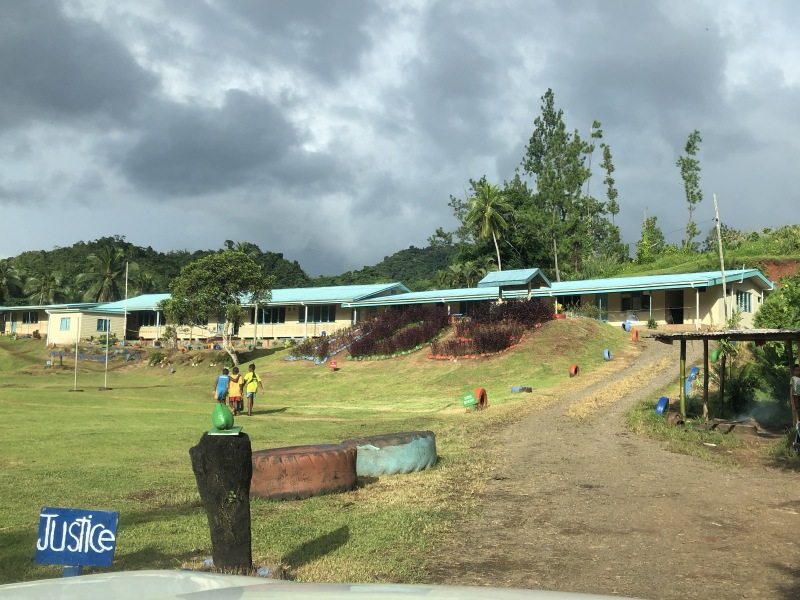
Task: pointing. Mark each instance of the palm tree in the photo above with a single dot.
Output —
(144, 283)
(104, 281)
(10, 283)
(46, 287)
(486, 213)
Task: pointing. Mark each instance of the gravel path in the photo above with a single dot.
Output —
(585, 505)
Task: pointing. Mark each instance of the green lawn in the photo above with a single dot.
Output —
(126, 450)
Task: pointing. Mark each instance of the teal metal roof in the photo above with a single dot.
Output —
(652, 282)
(512, 277)
(336, 294)
(48, 306)
(315, 295)
(143, 302)
(463, 294)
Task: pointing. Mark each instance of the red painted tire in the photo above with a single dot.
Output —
(300, 472)
(483, 399)
(573, 370)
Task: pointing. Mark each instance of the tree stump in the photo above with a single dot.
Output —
(223, 467)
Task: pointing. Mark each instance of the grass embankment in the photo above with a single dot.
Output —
(126, 449)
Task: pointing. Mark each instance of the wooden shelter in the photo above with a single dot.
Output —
(791, 337)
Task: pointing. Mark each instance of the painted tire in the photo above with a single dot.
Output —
(573, 370)
(626, 326)
(714, 354)
(483, 399)
(607, 354)
(393, 453)
(298, 472)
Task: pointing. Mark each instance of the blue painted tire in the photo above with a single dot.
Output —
(393, 453)
(607, 354)
(626, 326)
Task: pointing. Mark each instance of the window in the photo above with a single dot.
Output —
(103, 324)
(744, 302)
(149, 319)
(65, 323)
(30, 317)
(272, 314)
(323, 313)
(634, 301)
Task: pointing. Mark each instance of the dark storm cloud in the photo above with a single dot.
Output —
(454, 85)
(197, 150)
(636, 66)
(326, 39)
(55, 69)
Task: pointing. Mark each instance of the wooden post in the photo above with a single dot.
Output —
(705, 379)
(722, 361)
(223, 467)
(683, 378)
(790, 353)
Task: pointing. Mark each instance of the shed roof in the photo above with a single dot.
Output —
(513, 277)
(740, 335)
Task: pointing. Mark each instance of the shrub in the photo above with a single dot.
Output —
(399, 330)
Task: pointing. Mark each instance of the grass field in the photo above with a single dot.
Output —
(126, 449)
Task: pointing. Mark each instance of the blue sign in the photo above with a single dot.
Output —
(71, 536)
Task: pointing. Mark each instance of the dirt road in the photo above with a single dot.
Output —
(584, 505)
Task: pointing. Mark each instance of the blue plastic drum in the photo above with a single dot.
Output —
(661, 405)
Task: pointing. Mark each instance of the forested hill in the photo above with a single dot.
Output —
(416, 268)
(67, 274)
(71, 274)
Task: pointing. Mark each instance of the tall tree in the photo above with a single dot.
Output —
(611, 192)
(487, 214)
(104, 281)
(690, 174)
(218, 285)
(555, 158)
(651, 243)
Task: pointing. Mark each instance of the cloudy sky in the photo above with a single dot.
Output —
(335, 131)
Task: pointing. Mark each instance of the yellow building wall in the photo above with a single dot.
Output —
(25, 329)
(87, 324)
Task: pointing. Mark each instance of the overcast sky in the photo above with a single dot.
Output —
(335, 132)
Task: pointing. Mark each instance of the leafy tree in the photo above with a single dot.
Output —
(651, 243)
(219, 284)
(690, 174)
(440, 237)
(104, 281)
(781, 308)
(487, 214)
(555, 158)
